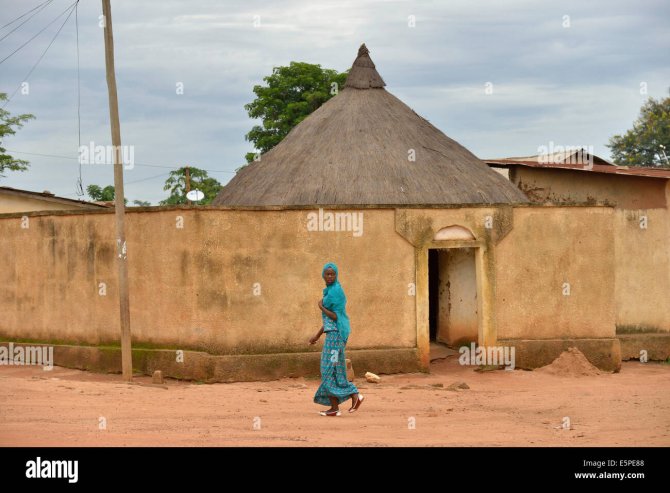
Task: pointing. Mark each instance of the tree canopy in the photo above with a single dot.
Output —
(8, 126)
(100, 194)
(289, 95)
(648, 142)
(176, 184)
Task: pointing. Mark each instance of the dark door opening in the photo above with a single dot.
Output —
(433, 292)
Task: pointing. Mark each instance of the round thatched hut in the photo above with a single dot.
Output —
(365, 146)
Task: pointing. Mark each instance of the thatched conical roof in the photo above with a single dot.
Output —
(363, 73)
(365, 146)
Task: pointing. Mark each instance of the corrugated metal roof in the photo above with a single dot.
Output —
(599, 165)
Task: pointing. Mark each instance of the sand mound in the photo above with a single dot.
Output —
(571, 363)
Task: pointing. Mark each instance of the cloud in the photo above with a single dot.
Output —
(574, 85)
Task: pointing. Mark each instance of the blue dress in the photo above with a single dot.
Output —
(334, 381)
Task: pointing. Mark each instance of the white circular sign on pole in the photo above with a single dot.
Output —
(195, 195)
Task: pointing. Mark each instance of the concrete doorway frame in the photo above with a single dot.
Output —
(486, 333)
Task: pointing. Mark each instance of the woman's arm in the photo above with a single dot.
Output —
(313, 340)
(329, 314)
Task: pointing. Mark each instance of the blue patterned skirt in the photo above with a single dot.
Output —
(334, 371)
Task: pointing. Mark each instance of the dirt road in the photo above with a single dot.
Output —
(66, 407)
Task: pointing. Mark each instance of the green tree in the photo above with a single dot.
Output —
(107, 194)
(8, 126)
(648, 142)
(141, 203)
(288, 97)
(176, 184)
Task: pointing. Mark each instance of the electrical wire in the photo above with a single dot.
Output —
(25, 79)
(80, 186)
(13, 30)
(129, 182)
(145, 179)
(135, 164)
(70, 8)
(23, 15)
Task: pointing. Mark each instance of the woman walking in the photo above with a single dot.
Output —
(334, 388)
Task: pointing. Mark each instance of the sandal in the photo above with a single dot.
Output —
(330, 413)
(359, 401)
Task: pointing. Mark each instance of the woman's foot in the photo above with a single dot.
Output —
(331, 412)
(356, 403)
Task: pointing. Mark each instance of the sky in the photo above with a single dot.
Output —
(501, 78)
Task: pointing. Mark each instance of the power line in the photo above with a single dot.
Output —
(23, 15)
(42, 30)
(146, 179)
(25, 79)
(135, 164)
(127, 183)
(40, 10)
(80, 186)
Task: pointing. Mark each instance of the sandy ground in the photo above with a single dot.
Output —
(517, 408)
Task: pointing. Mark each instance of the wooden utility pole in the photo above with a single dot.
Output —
(188, 184)
(119, 205)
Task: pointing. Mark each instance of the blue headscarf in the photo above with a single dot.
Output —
(335, 301)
